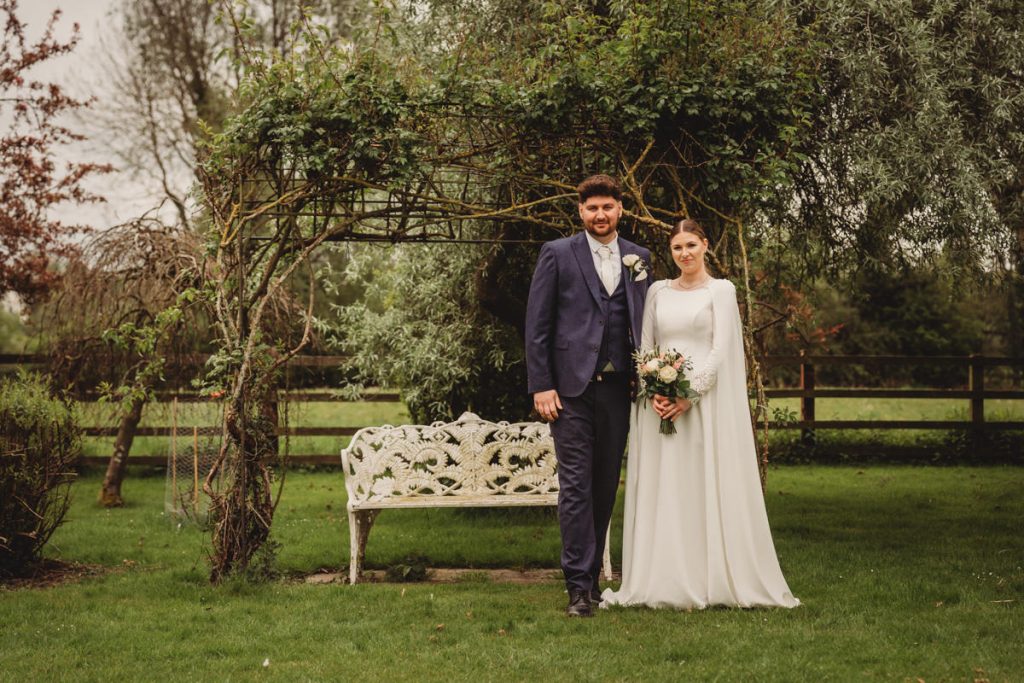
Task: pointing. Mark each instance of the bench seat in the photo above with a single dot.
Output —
(472, 501)
(469, 463)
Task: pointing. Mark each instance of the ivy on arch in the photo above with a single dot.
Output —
(701, 108)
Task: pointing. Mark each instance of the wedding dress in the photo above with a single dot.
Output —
(695, 531)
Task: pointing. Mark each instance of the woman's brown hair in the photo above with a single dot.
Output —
(687, 225)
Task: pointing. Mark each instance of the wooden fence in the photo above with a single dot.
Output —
(807, 391)
(975, 366)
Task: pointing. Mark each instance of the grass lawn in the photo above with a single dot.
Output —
(905, 573)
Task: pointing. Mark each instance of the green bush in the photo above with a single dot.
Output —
(40, 439)
(420, 327)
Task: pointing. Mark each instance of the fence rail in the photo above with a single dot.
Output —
(807, 391)
(975, 392)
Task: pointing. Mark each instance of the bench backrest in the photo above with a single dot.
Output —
(468, 457)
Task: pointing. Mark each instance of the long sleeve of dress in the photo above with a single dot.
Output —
(648, 332)
(723, 328)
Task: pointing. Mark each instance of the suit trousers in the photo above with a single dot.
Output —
(590, 438)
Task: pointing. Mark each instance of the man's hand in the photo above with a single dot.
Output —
(547, 404)
(670, 408)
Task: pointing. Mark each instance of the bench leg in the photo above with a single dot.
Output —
(359, 524)
(608, 555)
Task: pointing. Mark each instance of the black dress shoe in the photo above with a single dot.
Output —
(579, 604)
(595, 596)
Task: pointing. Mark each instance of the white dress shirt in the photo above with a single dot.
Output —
(616, 257)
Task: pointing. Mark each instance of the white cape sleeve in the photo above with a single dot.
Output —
(726, 330)
(729, 439)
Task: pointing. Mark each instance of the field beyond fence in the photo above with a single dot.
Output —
(317, 422)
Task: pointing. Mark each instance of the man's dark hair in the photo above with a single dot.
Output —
(599, 186)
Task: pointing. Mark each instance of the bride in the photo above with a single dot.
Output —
(696, 532)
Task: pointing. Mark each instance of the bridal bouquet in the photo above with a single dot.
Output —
(664, 373)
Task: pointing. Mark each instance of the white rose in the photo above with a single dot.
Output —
(652, 365)
(667, 374)
(629, 260)
(642, 275)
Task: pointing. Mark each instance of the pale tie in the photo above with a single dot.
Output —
(607, 271)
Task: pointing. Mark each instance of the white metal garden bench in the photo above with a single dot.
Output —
(466, 463)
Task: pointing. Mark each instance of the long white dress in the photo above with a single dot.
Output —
(696, 531)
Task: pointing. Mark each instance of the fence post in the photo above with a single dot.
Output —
(275, 418)
(806, 402)
(976, 384)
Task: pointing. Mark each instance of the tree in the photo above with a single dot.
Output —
(121, 318)
(31, 240)
(918, 144)
(174, 76)
(262, 234)
(916, 159)
(167, 78)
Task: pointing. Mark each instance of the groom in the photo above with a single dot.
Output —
(583, 323)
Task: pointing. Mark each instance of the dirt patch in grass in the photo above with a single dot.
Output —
(50, 573)
(449, 575)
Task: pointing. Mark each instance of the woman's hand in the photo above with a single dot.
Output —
(670, 408)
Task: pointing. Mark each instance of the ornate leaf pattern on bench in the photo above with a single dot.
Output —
(468, 457)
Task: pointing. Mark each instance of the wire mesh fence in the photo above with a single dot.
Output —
(191, 453)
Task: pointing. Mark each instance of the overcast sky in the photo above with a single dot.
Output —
(81, 73)
(90, 15)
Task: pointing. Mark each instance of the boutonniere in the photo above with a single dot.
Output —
(636, 267)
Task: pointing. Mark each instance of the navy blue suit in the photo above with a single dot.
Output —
(573, 329)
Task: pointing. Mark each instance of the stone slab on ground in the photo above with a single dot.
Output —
(450, 575)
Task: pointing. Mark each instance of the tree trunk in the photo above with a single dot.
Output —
(1008, 200)
(242, 514)
(1015, 302)
(110, 493)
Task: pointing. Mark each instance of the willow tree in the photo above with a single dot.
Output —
(121, 319)
(917, 157)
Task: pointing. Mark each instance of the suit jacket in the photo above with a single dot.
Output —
(565, 314)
